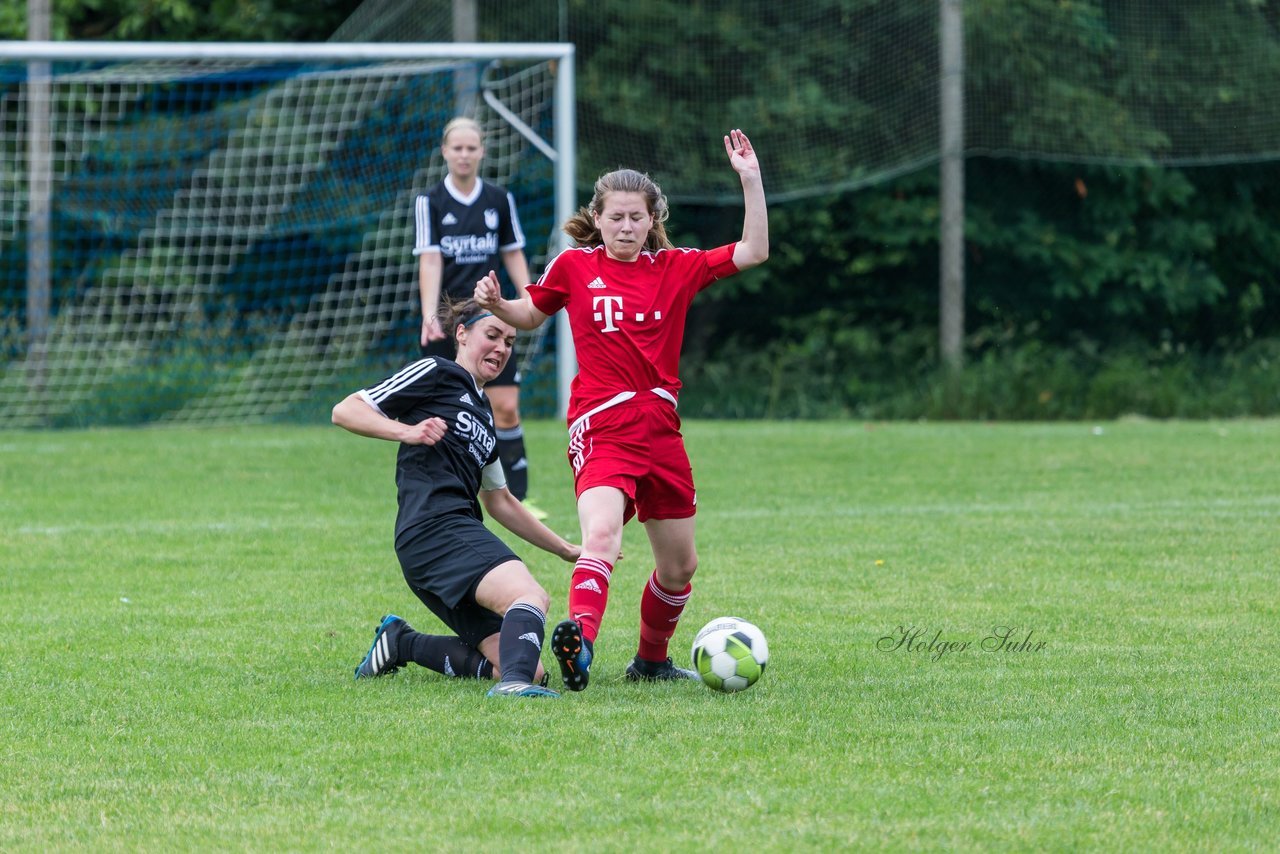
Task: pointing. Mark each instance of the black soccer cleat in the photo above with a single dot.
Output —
(383, 657)
(640, 670)
(573, 653)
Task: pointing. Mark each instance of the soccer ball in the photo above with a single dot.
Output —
(729, 654)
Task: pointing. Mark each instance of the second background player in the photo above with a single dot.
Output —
(463, 225)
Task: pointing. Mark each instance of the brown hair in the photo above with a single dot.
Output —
(460, 313)
(581, 227)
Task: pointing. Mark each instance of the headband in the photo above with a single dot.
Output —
(466, 324)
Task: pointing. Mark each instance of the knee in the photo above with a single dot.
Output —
(602, 537)
(533, 595)
(677, 574)
(509, 585)
(676, 564)
(505, 413)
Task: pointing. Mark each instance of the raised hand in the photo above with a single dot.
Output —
(488, 292)
(742, 157)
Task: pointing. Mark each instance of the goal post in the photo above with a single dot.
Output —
(230, 225)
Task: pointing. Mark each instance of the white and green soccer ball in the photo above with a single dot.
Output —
(729, 654)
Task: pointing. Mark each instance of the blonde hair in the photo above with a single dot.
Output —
(581, 227)
(462, 123)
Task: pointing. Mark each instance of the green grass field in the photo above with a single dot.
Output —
(181, 611)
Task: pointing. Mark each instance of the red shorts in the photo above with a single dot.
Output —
(635, 447)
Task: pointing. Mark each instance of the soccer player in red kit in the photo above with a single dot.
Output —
(627, 292)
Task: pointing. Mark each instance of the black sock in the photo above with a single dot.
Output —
(520, 643)
(445, 654)
(514, 462)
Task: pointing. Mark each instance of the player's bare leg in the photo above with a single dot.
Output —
(600, 512)
(664, 599)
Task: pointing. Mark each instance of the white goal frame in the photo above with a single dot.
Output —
(561, 150)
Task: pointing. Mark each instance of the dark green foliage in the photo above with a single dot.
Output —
(1128, 281)
(1103, 286)
(868, 373)
(645, 97)
(185, 20)
(1103, 290)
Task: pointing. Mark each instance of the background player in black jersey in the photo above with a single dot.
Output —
(446, 468)
(462, 226)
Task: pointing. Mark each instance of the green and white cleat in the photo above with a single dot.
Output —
(520, 689)
(383, 657)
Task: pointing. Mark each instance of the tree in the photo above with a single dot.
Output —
(185, 20)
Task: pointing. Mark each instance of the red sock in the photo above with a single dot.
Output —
(660, 610)
(589, 594)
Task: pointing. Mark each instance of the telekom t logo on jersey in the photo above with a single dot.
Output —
(608, 310)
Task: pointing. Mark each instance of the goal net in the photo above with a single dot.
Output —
(224, 233)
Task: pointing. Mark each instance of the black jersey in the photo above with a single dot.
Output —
(470, 232)
(446, 477)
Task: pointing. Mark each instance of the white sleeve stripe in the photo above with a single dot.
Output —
(547, 269)
(422, 225)
(397, 381)
(515, 224)
(367, 398)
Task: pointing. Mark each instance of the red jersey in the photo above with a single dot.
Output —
(627, 317)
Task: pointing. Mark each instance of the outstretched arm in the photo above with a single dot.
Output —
(518, 269)
(520, 313)
(753, 249)
(516, 518)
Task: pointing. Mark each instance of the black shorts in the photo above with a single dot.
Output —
(445, 347)
(443, 562)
